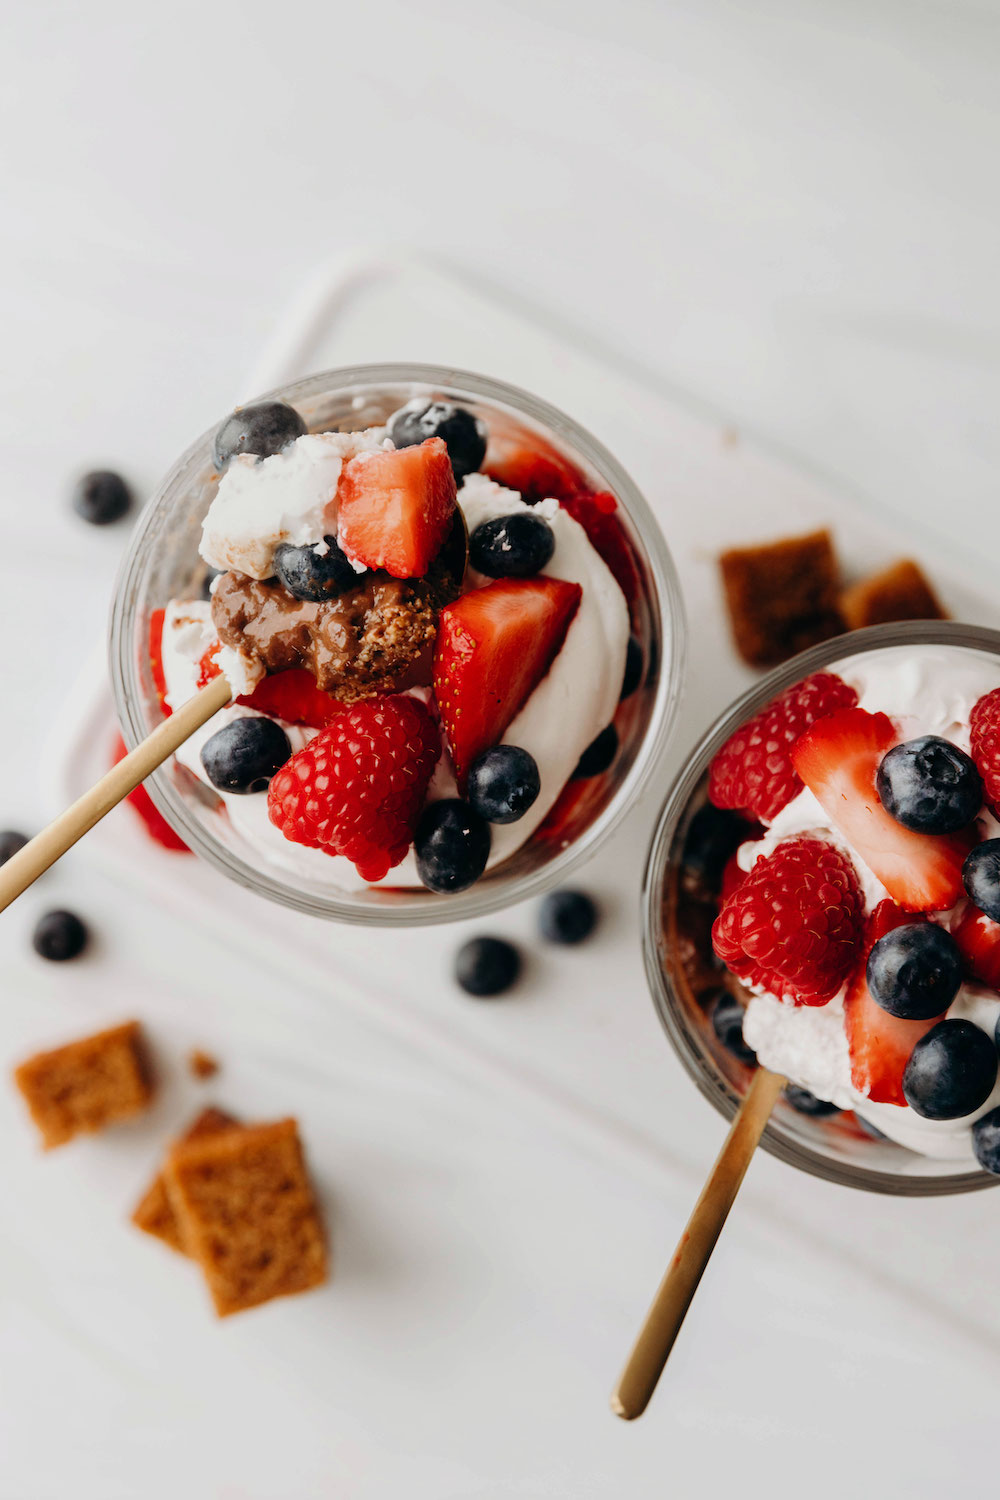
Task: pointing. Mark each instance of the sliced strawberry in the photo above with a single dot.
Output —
(156, 620)
(396, 508)
(879, 1044)
(156, 824)
(537, 473)
(596, 514)
(978, 937)
(208, 666)
(494, 647)
(294, 697)
(838, 758)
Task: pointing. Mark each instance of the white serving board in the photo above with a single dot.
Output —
(508, 1177)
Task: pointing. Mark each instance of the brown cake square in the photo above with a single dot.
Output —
(153, 1213)
(247, 1213)
(86, 1085)
(782, 597)
(900, 592)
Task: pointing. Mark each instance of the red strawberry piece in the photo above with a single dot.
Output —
(208, 666)
(156, 620)
(984, 724)
(978, 938)
(294, 697)
(794, 924)
(396, 508)
(753, 770)
(156, 824)
(357, 789)
(838, 759)
(596, 514)
(538, 473)
(494, 646)
(879, 1044)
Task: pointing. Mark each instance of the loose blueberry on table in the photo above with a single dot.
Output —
(567, 917)
(59, 936)
(487, 966)
(102, 497)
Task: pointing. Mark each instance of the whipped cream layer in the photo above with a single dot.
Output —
(924, 690)
(570, 706)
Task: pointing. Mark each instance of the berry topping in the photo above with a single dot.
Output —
(929, 785)
(494, 646)
(597, 515)
(727, 1023)
(915, 971)
(754, 770)
(262, 429)
(156, 824)
(503, 783)
(396, 509)
(978, 939)
(313, 574)
(807, 1104)
(516, 546)
(452, 844)
(59, 935)
(794, 924)
(952, 1071)
(713, 837)
(879, 1044)
(156, 620)
(598, 755)
(294, 697)
(101, 497)
(486, 966)
(358, 787)
(462, 433)
(243, 755)
(981, 877)
(567, 917)
(633, 668)
(986, 1141)
(838, 759)
(984, 726)
(11, 843)
(538, 473)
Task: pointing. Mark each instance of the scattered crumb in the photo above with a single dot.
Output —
(86, 1085)
(247, 1214)
(153, 1213)
(202, 1064)
(900, 592)
(782, 596)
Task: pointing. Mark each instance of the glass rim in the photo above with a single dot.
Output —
(424, 909)
(710, 1081)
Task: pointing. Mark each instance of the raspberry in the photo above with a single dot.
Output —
(357, 788)
(753, 771)
(984, 724)
(795, 924)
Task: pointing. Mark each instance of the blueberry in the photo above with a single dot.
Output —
(929, 785)
(981, 877)
(633, 668)
(10, 843)
(59, 935)
(503, 783)
(102, 496)
(915, 971)
(244, 755)
(807, 1103)
(986, 1141)
(567, 917)
(598, 755)
(464, 435)
(951, 1071)
(308, 575)
(452, 845)
(261, 429)
(713, 835)
(727, 1023)
(487, 966)
(516, 546)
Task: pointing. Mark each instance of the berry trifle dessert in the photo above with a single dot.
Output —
(434, 627)
(837, 907)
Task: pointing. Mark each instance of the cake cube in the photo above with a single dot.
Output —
(202, 1064)
(900, 592)
(86, 1085)
(782, 596)
(247, 1214)
(153, 1213)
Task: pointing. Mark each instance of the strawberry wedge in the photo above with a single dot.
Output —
(396, 508)
(978, 938)
(879, 1044)
(838, 758)
(494, 646)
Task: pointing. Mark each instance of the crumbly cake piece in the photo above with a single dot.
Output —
(900, 592)
(782, 597)
(202, 1064)
(153, 1213)
(82, 1087)
(247, 1214)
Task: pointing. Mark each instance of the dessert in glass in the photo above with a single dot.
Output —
(451, 626)
(822, 896)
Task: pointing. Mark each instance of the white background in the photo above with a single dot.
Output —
(787, 210)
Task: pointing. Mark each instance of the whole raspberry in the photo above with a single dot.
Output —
(753, 771)
(795, 924)
(357, 788)
(984, 724)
